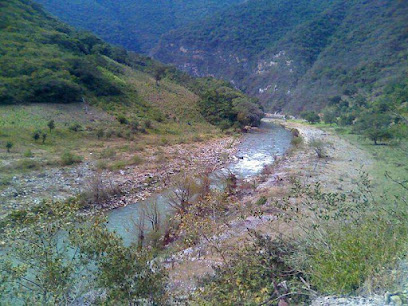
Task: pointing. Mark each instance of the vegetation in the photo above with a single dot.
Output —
(311, 117)
(295, 55)
(131, 24)
(43, 60)
(379, 119)
(51, 260)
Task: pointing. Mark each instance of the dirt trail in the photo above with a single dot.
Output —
(338, 171)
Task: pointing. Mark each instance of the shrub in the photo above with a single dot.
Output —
(28, 153)
(311, 117)
(68, 159)
(259, 274)
(9, 145)
(75, 127)
(44, 137)
(36, 136)
(98, 191)
(296, 141)
(122, 119)
(51, 125)
(319, 147)
(27, 164)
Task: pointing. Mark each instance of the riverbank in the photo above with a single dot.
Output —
(256, 210)
(158, 163)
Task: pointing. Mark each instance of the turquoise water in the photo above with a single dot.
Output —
(257, 149)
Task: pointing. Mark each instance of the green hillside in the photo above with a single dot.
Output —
(43, 60)
(135, 25)
(296, 55)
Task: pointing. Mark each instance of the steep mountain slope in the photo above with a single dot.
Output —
(43, 60)
(135, 25)
(295, 55)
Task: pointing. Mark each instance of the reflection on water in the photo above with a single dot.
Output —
(257, 149)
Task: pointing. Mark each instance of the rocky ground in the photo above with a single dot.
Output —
(337, 172)
(136, 182)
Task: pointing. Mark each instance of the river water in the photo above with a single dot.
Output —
(257, 149)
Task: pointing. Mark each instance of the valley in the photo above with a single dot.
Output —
(216, 152)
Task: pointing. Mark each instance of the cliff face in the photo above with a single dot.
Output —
(295, 55)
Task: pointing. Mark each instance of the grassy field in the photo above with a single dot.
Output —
(390, 158)
(76, 131)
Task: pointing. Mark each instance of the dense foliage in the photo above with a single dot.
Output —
(295, 55)
(43, 60)
(382, 118)
(135, 25)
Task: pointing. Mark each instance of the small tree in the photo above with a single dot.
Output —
(330, 115)
(51, 125)
(158, 74)
(36, 136)
(44, 137)
(311, 117)
(319, 147)
(9, 145)
(375, 126)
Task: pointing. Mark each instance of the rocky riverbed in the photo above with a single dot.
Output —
(136, 182)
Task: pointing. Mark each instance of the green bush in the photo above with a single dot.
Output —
(68, 159)
(28, 153)
(311, 117)
(27, 164)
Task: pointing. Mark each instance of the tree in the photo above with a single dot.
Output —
(375, 126)
(44, 137)
(159, 74)
(311, 117)
(9, 145)
(330, 115)
(51, 125)
(36, 136)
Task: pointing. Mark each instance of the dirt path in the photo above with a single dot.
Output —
(338, 171)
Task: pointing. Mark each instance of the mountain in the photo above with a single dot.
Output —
(44, 60)
(297, 54)
(135, 25)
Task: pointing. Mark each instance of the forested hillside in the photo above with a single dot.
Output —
(296, 55)
(43, 60)
(135, 25)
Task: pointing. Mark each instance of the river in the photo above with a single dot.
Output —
(257, 149)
